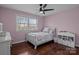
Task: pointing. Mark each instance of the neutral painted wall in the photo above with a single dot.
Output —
(65, 21)
(8, 18)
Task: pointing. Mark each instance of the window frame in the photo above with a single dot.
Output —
(18, 17)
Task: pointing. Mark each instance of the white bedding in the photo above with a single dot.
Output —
(37, 38)
(39, 35)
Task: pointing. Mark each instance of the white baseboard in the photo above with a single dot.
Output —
(18, 42)
(77, 45)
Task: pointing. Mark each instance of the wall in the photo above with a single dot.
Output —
(67, 20)
(8, 18)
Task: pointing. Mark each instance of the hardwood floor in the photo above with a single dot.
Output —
(50, 48)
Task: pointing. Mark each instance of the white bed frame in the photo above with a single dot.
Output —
(34, 40)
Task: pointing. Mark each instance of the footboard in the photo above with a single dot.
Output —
(32, 39)
(37, 39)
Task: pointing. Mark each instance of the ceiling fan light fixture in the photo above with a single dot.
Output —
(43, 9)
(41, 12)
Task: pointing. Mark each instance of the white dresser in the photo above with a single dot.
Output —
(5, 40)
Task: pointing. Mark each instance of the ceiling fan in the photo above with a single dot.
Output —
(43, 8)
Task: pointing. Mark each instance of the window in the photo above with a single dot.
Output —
(26, 23)
(32, 24)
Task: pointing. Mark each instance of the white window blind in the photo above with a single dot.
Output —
(1, 27)
(26, 23)
(32, 24)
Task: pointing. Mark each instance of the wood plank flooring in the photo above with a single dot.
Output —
(50, 48)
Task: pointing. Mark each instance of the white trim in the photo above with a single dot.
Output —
(18, 42)
(77, 45)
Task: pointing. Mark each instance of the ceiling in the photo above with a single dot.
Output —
(34, 8)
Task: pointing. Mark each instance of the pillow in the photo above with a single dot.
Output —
(50, 31)
(46, 29)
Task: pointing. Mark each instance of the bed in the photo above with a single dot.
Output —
(38, 38)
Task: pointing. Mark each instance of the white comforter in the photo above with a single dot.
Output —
(39, 35)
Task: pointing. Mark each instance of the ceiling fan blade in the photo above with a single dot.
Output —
(41, 4)
(48, 9)
(43, 12)
(40, 9)
(44, 5)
